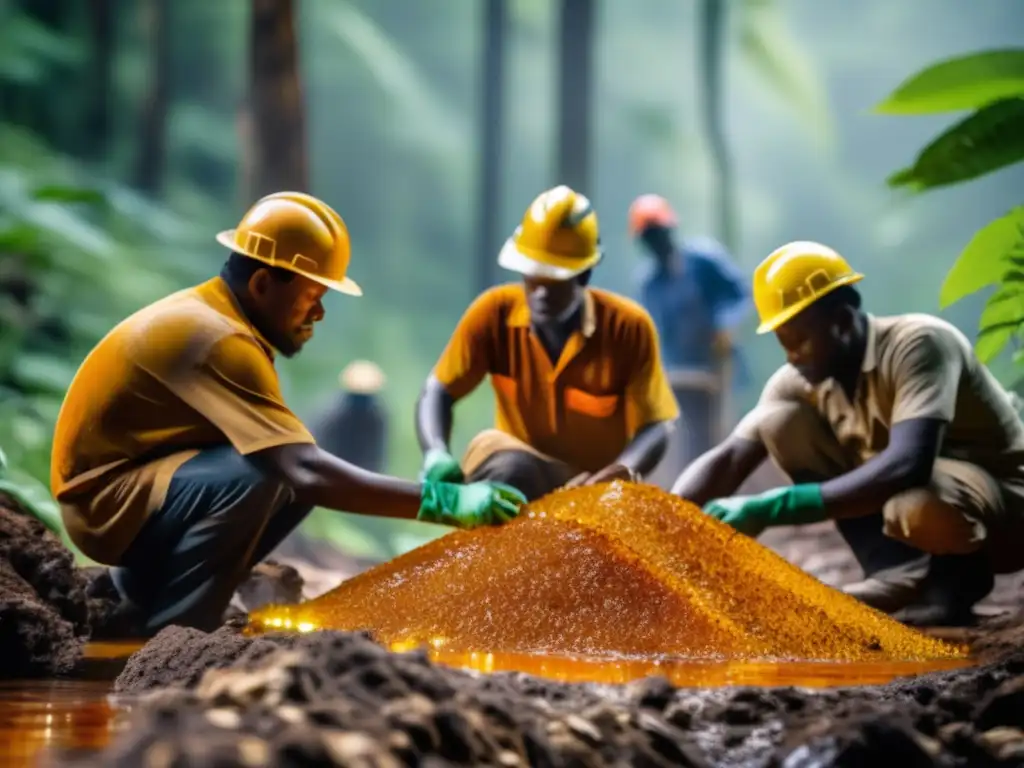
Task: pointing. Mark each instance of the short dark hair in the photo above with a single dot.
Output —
(239, 269)
(844, 296)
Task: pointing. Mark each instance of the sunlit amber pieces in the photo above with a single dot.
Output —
(617, 570)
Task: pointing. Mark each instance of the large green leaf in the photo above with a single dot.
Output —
(990, 139)
(964, 82)
(776, 55)
(984, 260)
(1000, 321)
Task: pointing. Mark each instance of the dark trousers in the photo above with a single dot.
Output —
(222, 515)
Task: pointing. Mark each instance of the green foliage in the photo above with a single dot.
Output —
(991, 138)
(963, 82)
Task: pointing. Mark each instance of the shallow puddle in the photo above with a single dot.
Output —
(698, 674)
(38, 717)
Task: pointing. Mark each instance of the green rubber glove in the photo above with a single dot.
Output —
(440, 467)
(469, 506)
(793, 505)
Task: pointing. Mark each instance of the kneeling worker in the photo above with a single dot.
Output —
(891, 427)
(175, 457)
(581, 395)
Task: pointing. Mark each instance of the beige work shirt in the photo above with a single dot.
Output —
(916, 366)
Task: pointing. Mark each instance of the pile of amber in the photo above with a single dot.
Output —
(611, 571)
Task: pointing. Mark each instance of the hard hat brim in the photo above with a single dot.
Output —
(513, 258)
(790, 312)
(346, 285)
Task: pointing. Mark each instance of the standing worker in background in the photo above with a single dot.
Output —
(696, 297)
(175, 457)
(891, 427)
(581, 395)
(355, 426)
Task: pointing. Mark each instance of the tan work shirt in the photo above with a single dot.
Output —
(916, 366)
(182, 374)
(584, 409)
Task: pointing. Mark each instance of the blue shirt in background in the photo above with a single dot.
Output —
(691, 298)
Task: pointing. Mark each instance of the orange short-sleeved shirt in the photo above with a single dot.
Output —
(584, 410)
(185, 373)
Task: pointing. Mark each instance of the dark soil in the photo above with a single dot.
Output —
(49, 607)
(337, 698)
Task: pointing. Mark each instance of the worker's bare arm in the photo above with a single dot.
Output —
(906, 463)
(721, 471)
(324, 480)
(647, 448)
(434, 413)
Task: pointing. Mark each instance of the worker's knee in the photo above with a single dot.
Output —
(922, 519)
(521, 470)
(800, 442)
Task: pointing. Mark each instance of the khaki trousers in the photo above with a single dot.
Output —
(963, 510)
(497, 456)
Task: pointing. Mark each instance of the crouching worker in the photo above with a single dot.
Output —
(581, 396)
(891, 427)
(175, 457)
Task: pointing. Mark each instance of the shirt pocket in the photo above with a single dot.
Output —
(595, 406)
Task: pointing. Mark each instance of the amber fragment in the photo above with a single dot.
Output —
(609, 571)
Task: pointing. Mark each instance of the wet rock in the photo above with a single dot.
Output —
(873, 739)
(1004, 706)
(270, 583)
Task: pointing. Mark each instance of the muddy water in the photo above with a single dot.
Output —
(82, 715)
(38, 717)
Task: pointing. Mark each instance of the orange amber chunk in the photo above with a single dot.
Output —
(610, 571)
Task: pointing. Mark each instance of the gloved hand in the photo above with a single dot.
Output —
(794, 505)
(468, 506)
(441, 467)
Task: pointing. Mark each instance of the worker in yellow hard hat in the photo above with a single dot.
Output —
(580, 393)
(891, 427)
(175, 457)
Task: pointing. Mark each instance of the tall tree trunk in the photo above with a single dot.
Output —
(275, 125)
(711, 47)
(492, 120)
(96, 124)
(575, 83)
(151, 161)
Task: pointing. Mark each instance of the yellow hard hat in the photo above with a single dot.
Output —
(795, 276)
(297, 232)
(557, 239)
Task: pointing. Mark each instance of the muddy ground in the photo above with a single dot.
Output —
(333, 698)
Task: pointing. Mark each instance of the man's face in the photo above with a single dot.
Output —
(288, 310)
(657, 240)
(816, 343)
(551, 300)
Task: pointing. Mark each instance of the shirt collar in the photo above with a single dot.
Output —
(223, 299)
(519, 316)
(870, 346)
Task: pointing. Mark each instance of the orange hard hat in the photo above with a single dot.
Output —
(648, 210)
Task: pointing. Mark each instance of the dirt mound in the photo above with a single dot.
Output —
(49, 607)
(44, 613)
(337, 698)
(619, 569)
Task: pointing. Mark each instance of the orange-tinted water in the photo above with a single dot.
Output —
(38, 717)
